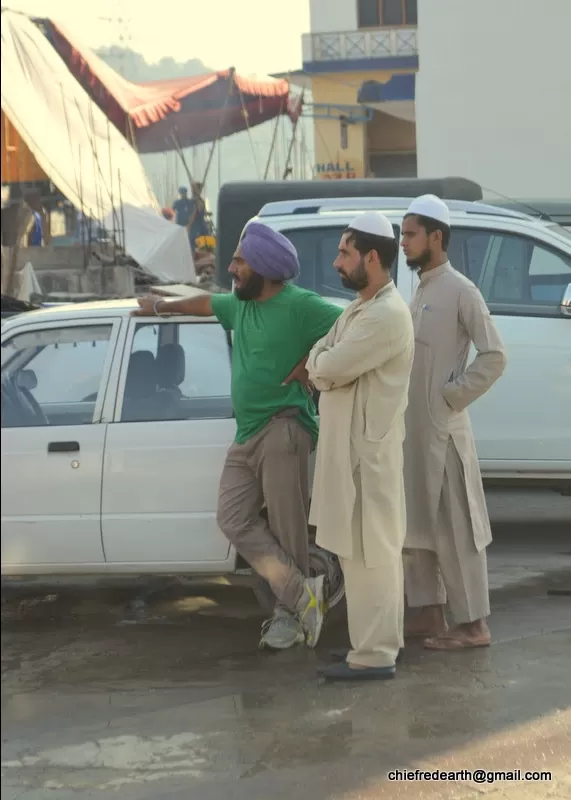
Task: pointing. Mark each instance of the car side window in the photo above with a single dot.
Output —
(53, 376)
(177, 371)
(516, 274)
(526, 273)
(467, 251)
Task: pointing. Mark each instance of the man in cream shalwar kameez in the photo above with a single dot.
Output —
(362, 369)
(448, 528)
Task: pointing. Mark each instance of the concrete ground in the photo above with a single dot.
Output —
(118, 691)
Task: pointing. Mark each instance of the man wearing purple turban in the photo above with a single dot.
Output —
(275, 325)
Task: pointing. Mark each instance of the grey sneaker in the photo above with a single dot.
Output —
(311, 609)
(282, 631)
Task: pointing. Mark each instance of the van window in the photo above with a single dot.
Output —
(317, 250)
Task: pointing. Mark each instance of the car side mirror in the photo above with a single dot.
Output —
(26, 379)
(566, 302)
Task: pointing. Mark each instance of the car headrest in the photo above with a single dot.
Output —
(26, 379)
(171, 365)
(142, 374)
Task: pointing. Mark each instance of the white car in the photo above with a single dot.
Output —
(114, 434)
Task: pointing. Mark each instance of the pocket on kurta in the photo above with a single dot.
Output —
(424, 384)
(375, 429)
(440, 411)
(428, 329)
(375, 434)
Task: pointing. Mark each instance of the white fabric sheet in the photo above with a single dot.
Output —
(83, 154)
(29, 284)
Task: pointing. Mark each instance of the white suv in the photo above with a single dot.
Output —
(523, 268)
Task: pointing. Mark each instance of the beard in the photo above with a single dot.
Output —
(420, 261)
(358, 280)
(251, 289)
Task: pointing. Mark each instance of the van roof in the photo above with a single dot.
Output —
(347, 204)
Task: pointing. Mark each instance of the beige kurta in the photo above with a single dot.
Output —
(449, 314)
(362, 369)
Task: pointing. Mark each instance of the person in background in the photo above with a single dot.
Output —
(362, 369)
(197, 225)
(448, 524)
(275, 324)
(183, 207)
(38, 233)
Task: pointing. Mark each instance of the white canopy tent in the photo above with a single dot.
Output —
(83, 154)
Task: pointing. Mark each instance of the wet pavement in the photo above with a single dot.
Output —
(157, 690)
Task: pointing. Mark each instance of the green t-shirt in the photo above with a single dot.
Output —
(270, 339)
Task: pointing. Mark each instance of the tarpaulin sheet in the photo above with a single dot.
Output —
(85, 156)
(196, 109)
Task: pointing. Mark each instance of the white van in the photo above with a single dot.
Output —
(522, 266)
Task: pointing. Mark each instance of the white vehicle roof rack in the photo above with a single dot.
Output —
(341, 204)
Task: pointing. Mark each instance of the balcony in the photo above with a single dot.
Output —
(346, 50)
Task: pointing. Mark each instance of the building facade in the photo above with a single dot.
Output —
(493, 95)
(361, 58)
(479, 89)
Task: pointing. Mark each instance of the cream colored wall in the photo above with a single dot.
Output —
(384, 133)
(493, 94)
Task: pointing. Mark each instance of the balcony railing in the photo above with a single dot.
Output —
(346, 45)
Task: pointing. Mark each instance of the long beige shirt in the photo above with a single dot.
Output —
(362, 369)
(449, 315)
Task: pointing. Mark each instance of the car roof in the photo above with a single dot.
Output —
(460, 208)
(99, 309)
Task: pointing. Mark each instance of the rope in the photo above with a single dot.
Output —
(272, 147)
(222, 120)
(245, 113)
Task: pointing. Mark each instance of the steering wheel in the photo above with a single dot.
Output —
(37, 413)
(26, 409)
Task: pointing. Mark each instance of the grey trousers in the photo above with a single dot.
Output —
(455, 571)
(271, 468)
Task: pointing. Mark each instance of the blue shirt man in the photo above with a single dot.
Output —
(183, 207)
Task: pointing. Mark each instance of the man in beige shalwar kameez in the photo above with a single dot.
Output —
(362, 368)
(448, 528)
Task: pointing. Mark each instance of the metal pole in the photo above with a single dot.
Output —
(272, 145)
(291, 144)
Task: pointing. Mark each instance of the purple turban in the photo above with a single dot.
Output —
(269, 253)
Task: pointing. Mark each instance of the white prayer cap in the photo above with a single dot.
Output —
(428, 205)
(375, 223)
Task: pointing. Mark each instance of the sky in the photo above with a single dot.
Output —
(221, 33)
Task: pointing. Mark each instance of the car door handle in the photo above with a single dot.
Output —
(63, 447)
